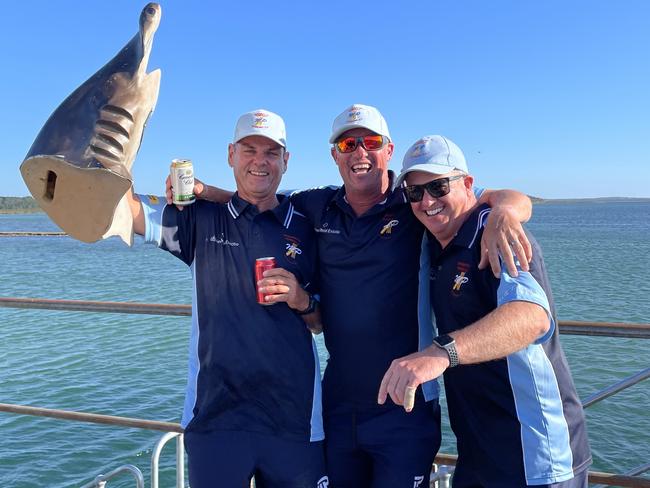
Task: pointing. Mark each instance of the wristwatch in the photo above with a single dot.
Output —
(311, 308)
(448, 343)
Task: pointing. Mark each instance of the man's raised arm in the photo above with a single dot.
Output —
(503, 232)
(136, 212)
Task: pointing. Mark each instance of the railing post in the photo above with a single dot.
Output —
(180, 462)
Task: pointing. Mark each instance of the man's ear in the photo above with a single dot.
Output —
(231, 153)
(286, 161)
(333, 153)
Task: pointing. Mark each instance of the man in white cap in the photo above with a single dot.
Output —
(512, 403)
(253, 400)
(368, 251)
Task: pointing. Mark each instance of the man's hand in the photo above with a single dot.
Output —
(504, 235)
(280, 285)
(199, 189)
(407, 373)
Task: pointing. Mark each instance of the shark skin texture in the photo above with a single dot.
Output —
(79, 167)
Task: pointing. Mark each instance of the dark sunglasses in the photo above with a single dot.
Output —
(436, 188)
(369, 143)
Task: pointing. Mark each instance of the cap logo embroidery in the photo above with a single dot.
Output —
(417, 150)
(260, 121)
(153, 199)
(354, 114)
(388, 228)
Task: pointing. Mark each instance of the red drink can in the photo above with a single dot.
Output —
(261, 265)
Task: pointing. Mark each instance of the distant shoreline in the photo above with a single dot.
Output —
(591, 200)
(28, 204)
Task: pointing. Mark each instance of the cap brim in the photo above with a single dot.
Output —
(347, 127)
(434, 169)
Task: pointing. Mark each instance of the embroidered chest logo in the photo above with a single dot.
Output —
(222, 240)
(417, 481)
(461, 278)
(325, 229)
(324, 482)
(292, 247)
(388, 228)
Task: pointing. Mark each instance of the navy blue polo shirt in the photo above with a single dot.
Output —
(517, 419)
(252, 367)
(368, 282)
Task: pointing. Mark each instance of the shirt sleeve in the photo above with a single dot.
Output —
(169, 228)
(525, 288)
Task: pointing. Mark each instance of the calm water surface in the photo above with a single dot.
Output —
(135, 366)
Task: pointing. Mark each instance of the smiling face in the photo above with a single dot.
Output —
(258, 164)
(443, 216)
(364, 172)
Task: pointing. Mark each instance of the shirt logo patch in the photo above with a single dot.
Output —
(292, 248)
(223, 241)
(460, 279)
(388, 228)
(324, 229)
(417, 481)
(324, 482)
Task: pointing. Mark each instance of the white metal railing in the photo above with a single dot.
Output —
(445, 463)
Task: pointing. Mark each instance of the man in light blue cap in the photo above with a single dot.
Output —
(512, 403)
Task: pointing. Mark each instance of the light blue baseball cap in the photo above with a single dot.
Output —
(432, 154)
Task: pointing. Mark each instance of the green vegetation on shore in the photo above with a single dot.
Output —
(18, 205)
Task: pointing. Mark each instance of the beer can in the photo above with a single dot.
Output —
(182, 176)
(261, 265)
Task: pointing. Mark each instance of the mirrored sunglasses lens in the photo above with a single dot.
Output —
(372, 143)
(347, 145)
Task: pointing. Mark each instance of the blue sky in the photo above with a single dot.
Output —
(548, 97)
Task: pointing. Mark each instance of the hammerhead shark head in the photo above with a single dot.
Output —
(79, 167)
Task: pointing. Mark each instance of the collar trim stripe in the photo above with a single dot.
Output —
(287, 220)
(232, 210)
(480, 223)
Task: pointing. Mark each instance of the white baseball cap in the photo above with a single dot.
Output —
(432, 154)
(358, 115)
(261, 122)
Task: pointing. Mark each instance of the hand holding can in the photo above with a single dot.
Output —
(261, 265)
(182, 181)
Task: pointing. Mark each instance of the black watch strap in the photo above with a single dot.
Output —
(448, 343)
(311, 308)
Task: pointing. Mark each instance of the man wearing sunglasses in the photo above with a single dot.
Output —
(369, 250)
(512, 403)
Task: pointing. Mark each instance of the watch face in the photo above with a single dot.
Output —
(443, 340)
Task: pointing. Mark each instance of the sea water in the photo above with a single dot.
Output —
(597, 257)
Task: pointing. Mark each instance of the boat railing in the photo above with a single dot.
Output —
(444, 462)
